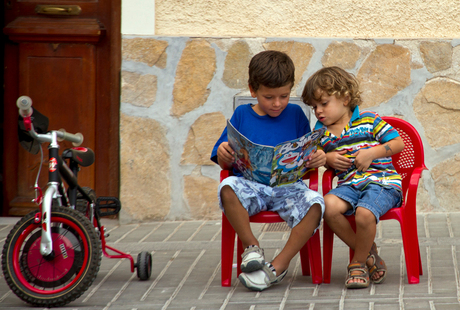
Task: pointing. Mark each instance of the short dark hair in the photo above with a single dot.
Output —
(333, 81)
(271, 69)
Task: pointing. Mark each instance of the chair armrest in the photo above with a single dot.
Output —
(411, 193)
(312, 176)
(225, 173)
(328, 176)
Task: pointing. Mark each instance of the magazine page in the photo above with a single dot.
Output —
(253, 160)
(290, 158)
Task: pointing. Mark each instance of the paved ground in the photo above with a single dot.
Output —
(186, 271)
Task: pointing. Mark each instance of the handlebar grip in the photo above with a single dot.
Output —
(76, 139)
(24, 103)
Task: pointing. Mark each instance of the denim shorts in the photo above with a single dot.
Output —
(291, 202)
(374, 197)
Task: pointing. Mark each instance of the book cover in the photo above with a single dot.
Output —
(274, 166)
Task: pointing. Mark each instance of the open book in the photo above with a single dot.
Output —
(283, 164)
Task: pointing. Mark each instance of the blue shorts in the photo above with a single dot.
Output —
(291, 202)
(374, 197)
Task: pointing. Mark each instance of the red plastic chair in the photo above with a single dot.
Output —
(310, 254)
(409, 163)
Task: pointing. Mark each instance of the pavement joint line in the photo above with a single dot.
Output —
(181, 284)
(196, 231)
(342, 299)
(457, 273)
(5, 295)
(94, 290)
(118, 294)
(425, 224)
(208, 284)
(449, 226)
(175, 230)
(216, 234)
(112, 229)
(401, 280)
(429, 271)
(229, 295)
(127, 233)
(158, 278)
(151, 232)
(7, 226)
(288, 288)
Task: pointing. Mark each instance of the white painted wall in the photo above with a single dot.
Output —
(138, 17)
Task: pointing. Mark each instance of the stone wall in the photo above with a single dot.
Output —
(177, 93)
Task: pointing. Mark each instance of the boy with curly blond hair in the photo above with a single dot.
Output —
(359, 146)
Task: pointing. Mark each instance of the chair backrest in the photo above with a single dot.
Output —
(412, 156)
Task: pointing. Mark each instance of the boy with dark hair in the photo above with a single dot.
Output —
(359, 146)
(271, 121)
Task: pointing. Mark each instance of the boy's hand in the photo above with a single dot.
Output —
(225, 155)
(337, 161)
(363, 159)
(318, 159)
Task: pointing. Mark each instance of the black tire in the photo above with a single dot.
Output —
(82, 205)
(67, 273)
(144, 265)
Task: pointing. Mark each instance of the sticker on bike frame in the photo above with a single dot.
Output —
(52, 164)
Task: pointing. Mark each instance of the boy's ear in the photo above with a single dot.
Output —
(253, 93)
(346, 100)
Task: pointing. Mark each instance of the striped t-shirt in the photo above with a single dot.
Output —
(365, 130)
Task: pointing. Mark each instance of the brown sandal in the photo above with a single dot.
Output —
(378, 266)
(364, 275)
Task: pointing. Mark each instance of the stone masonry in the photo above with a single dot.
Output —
(177, 93)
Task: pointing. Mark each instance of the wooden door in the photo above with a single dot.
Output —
(66, 56)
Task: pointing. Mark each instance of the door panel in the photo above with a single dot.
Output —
(69, 66)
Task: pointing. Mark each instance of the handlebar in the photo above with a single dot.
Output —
(24, 103)
(76, 138)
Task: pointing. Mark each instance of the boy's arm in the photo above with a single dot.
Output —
(365, 157)
(225, 157)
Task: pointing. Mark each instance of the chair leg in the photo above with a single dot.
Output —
(328, 244)
(412, 255)
(314, 252)
(239, 259)
(305, 259)
(227, 249)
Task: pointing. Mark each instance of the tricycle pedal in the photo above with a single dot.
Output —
(106, 206)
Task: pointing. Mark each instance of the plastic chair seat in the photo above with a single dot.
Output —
(310, 254)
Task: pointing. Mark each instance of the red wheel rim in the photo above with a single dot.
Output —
(20, 242)
(51, 270)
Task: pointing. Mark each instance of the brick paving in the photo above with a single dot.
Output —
(186, 271)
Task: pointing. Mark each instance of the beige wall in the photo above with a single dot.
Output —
(309, 18)
(178, 86)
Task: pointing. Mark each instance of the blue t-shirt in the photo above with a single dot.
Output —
(266, 130)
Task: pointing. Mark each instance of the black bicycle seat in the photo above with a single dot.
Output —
(84, 156)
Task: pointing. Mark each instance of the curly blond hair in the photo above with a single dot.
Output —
(333, 81)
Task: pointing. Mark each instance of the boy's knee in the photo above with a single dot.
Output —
(364, 216)
(334, 206)
(226, 193)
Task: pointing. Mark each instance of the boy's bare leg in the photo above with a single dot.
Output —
(238, 216)
(333, 215)
(366, 227)
(297, 239)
